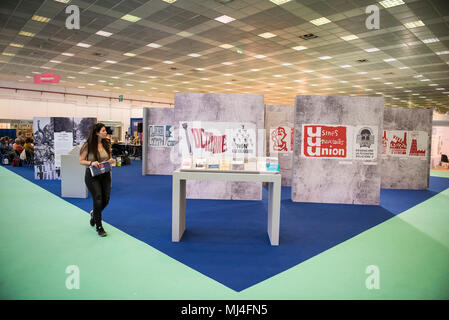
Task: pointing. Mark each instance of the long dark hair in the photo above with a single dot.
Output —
(92, 142)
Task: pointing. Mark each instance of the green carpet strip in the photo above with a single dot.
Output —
(45, 243)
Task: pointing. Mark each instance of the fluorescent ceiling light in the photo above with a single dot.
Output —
(70, 77)
(96, 68)
(67, 54)
(130, 18)
(299, 48)
(84, 45)
(279, 2)
(17, 45)
(309, 71)
(226, 63)
(389, 59)
(195, 55)
(200, 69)
(8, 54)
(259, 56)
(372, 50)
(91, 84)
(226, 46)
(377, 78)
(267, 35)
(424, 80)
(414, 24)
(391, 3)
(228, 74)
(154, 45)
(431, 40)
(55, 61)
(442, 52)
(277, 76)
(129, 54)
(63, 1)
(320, 21)
(169, 1)
(403, 68)
(179, 74)
(224, 19)
(115, 77)
(346, 66)
(40, 19)
(350, 37)
(325, 58)
(363, 72)
(104, 33)
(168, 62)
(255, 70)
(110, 61)
(433, 85)
(26, 34)
(130, 73)
(130, 85)
(103, 81)
(418, 76)
(147, 68)
(184, 34)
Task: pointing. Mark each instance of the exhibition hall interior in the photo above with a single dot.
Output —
(247, 150)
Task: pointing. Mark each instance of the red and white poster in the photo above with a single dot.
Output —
(325, 141)
(281, 139)
(419, 143)
(384, 144)
(397, 143)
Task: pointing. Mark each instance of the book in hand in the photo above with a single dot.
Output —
(103, 167)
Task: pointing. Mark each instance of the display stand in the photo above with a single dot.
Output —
(72, 175)
(179, 198)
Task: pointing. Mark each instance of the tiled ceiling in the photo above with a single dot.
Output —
(190, 51)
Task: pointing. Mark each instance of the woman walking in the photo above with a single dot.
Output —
(97, 149)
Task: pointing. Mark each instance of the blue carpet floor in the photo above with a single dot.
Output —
(227, 240)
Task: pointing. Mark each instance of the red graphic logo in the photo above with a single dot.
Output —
(47, 77)
(278, 137)
(325, 141)
(398, 145)
(414, 151)
(384, 143)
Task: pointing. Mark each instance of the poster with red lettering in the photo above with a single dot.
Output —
(281, 139)
(325, 141)
(207, 138)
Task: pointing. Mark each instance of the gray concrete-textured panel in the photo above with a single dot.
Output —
(407, 173)
(331, 180)
(225, 108)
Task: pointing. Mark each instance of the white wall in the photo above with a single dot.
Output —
(21, 104)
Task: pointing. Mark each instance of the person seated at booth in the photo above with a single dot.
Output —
(18, 146)
(28, 146)
(6, 149)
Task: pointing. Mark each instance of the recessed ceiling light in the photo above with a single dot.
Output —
(255, 70)
(168, 62)
(407, 91)
(55, 61)
(17, 45)
(147, 68)
(67, 54)
(414, 24)
(179, 74)
(403, 68)
(130, 73)
(389, 59)
(442, 52)
(130, 18)
(228, 74)
(224, 19)
(26, 34)
(81, 87)
(96, 68)
(104, 33)
(343, 81)
(391, 3)
(433, 85)
(327, 77)
(325, 58)
(259, 56)
(398, 87)
(320, 21)
(152, 77)
(226, 46)
(226, 63)
(309, 71)
(200, 69)
(110, 61)
(388, 83)
(279, 2)
(82, 72)
(195, 55)
(184, 34)
(431, 40)
(346, 66)
(377, 78)
(129, 54)
(362, 72)
(40, 19)
(287, 64)
(440, 89)
(84, 45)
(350, 37)
(299, 48)
(424, 80)
(267, 35)
(91, 84)
(169, 1)
(70, 77)
(154, 45)
(130, 85)
(63, 1)
(143, 81)
(103, 81)
(372, 49)
(8, 54)
(277, 76)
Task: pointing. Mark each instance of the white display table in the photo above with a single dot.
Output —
(179, 197)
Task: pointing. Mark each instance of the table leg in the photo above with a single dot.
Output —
(178, 208)
(274, 206)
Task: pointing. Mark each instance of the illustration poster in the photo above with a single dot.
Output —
(161, 136)
(419, 143)
(397, 143)
(365, 146)
(281, 139)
